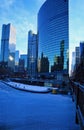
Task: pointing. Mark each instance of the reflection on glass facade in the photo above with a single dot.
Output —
(32, 54)
(8, 43)
(53, 33)
(44, 64)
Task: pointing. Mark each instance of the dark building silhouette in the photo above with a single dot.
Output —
(21, 65)
(82, 52)
(44, 64)
(62, 54)
(24, 57)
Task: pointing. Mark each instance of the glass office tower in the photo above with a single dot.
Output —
(16, 60)
(8, 44)
(53, 34)
(24, 57)
(32, 54)
(81, 51)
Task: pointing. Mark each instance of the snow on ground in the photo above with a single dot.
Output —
(33, 111)
(29, 87)
(29, 111)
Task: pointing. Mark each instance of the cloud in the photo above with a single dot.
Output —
(5, 4)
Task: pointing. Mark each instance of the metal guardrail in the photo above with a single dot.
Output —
(78, 97)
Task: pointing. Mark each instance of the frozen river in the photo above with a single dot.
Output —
(21, 110)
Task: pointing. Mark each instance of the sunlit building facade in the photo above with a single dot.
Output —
(53, 34)
(8, 44)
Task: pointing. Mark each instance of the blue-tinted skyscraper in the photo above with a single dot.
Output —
(8, 44)
(82, 51)
(77, 56)
(32, 54)
(24, 57)
(16, 60)
(73, 62)
(53, 34)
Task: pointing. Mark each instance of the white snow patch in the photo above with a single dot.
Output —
(29, 87)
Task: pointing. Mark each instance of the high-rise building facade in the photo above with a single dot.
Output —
(53, 34)
(82, 51)
(32, 54)
(16, 60)
(8, 44)
(21, 65)
(77, 56)
(24, 57)
(73, 62)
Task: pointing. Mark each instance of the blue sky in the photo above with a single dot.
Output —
(23, 15)
(76, 24)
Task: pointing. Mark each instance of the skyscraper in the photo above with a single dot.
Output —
(24, 57)
(8, 43)
(16, 60)
(77, 56)
(21, 65)
(73, 62)
(82, 51)
(53, 34)
(32, 54)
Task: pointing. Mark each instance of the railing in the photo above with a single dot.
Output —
(78, 97)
